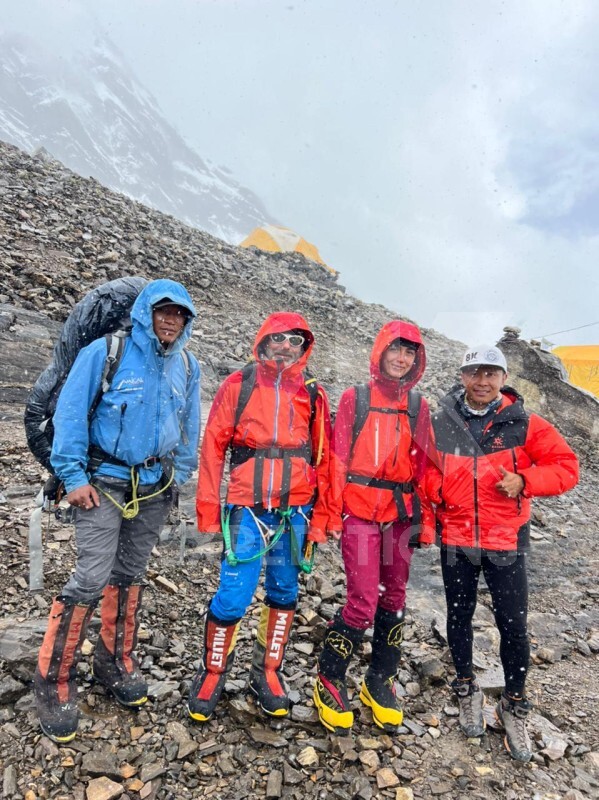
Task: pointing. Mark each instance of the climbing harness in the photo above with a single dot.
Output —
(305, 560)
(269, 538)
(131, 508)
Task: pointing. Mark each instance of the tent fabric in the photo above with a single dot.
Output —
(277, 239)
(582, 365)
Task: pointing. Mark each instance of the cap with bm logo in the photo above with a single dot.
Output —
(484, 355)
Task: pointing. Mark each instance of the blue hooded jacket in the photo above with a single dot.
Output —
(152, 407)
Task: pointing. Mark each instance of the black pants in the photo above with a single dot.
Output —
(505, 575)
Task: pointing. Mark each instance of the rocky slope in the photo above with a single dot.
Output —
(59, 236)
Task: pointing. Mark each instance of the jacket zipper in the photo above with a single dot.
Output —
(376, 442)
(158, 421)
(396, 439)
(118, 438)
(274, 443)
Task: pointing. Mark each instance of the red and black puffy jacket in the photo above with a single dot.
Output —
(471, 512)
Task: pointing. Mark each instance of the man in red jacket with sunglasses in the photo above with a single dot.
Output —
(275, 421)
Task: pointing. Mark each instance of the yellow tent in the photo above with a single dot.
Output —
(277, 239)
(582, 365)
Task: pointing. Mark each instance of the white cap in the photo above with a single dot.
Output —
(484, 355)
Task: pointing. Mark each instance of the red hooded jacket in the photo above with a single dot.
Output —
(471, 511)
(277, 414)
(385, 448)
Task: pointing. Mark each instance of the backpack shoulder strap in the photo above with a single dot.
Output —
(362, 407)
(312, 389)
(115, 346)
(186, 363)
(414, 406)
(248, 381)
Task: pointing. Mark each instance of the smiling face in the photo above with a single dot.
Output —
(483, 384)
(284, 348)
(398, 359)
(168, 322)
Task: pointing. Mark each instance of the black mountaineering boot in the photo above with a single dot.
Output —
(330, 689)
(378, 688)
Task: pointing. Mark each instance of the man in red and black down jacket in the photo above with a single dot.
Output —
(275, 421)
(493, 457)
(378, 460)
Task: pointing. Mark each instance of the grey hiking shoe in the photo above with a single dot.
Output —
(470, 701)
(512, 714)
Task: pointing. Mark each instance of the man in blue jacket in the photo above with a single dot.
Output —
(121, 470)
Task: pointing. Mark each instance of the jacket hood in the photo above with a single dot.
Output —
(154, 292)
(281, 322)
(388, 333)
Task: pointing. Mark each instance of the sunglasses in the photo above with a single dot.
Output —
(294, 339)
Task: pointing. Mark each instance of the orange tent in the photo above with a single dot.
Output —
(582, 365)
(277, 239)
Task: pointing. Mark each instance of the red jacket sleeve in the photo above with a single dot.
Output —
(217, 437)
(555, 465)
(421, 459)
(433, 475)
(321, 446)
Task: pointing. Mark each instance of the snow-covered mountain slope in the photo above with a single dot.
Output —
(90, 112)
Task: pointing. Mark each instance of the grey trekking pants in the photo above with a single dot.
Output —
(110, 549)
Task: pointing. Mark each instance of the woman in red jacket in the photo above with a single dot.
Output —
(493, 457)
(274, 420)
(378, 458)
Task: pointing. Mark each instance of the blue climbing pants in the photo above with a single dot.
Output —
(238, 583)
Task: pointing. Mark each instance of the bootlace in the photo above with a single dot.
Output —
(467, 705)
(518, 727)
(466, 700)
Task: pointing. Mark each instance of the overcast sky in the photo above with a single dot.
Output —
(443, 156)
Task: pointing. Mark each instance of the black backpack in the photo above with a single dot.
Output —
(102, 312)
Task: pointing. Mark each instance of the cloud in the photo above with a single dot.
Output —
(443, 156)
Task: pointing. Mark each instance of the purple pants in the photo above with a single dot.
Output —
(377, 567)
